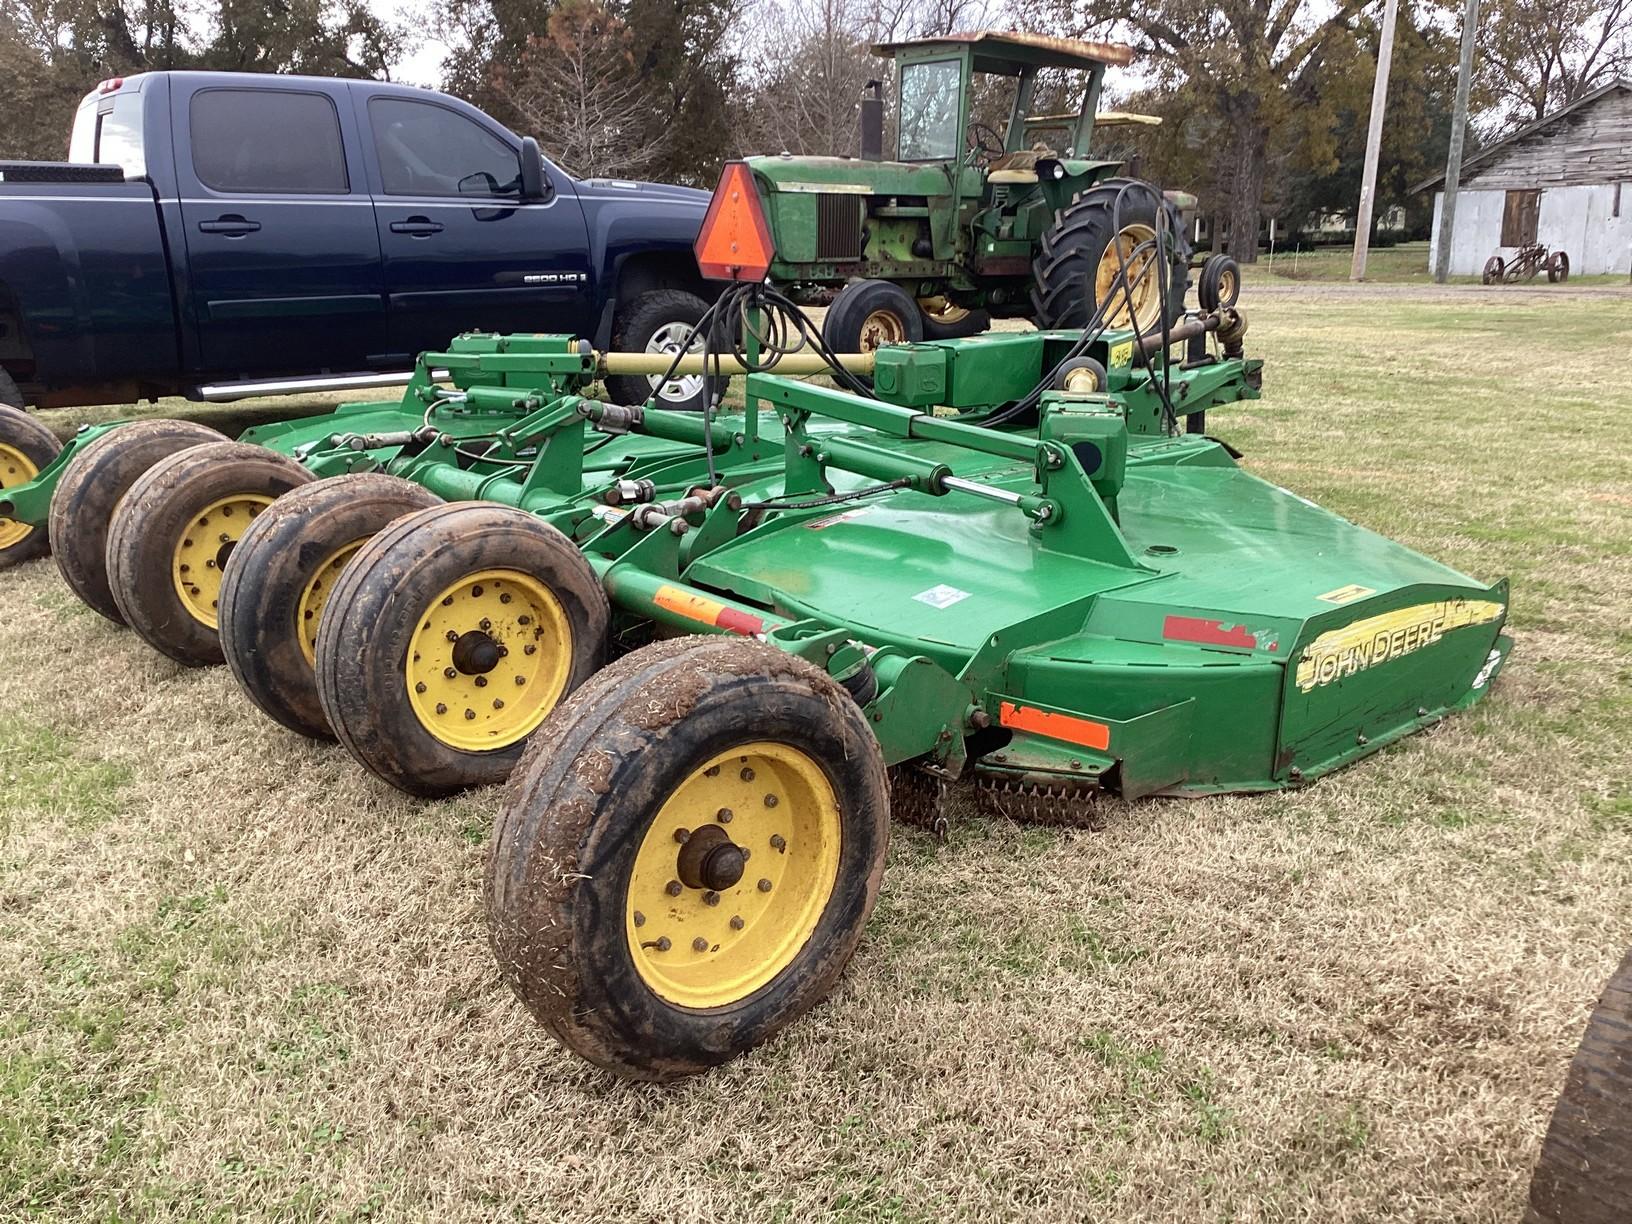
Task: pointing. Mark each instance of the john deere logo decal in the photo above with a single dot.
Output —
(1377, 639)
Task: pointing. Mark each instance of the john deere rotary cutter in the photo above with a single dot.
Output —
(1016, 562)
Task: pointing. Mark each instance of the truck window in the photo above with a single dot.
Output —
(267, 140)
(425, 149)
(109, 130)
(929, 110)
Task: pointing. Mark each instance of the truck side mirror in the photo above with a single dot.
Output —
(534, 186)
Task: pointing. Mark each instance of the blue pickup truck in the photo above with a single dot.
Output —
(218, 235)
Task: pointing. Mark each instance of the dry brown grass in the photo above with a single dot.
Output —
(238, 979)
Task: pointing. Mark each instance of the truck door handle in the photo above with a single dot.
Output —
(232, 225)
(417, 227)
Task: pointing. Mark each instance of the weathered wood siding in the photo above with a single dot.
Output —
(1587, 146)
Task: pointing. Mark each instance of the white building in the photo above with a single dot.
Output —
(1564, 181)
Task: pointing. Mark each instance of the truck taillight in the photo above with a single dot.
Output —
(111, 85)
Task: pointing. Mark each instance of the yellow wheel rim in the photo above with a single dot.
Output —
(201, 553)
(15, 468)
(1141, 277)
(309, 612)
(701, 946)
(490, 659)
(880, 328)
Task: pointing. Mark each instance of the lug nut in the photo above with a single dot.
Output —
(420, 687)
(476, 591)
(711, 898)
(469, 714)
(520, 680)
(747, 775)
(682, 836)
(723, 815)
(736, 922)
(779, 843)
(451, 636)
(449, 672)
(485, 625)
(640, 918)
(498, 704)
(764, 886)
(505, 598)
(699, 944)
(770, 801)
(673, 888)
(441, 708)
(524, 620)
(663, 944)
(529, 649)
(481, 681)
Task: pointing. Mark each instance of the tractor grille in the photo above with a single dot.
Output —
(838, 226)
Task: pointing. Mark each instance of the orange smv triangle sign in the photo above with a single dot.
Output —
(735, 242)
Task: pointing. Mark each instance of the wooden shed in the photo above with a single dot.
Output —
(1564, 180)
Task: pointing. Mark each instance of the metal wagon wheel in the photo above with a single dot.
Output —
(1495, 269)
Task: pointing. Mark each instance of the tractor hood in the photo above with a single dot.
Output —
(851, 176)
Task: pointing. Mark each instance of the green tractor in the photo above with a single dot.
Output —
(967, 223)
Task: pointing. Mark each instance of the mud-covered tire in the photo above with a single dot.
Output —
(26, 449)
(282, 573)
(591, 799)
(1071, 250)
(1584, 1175)
(178, 524)
(90, 490)
(529, 586)
(643, 326)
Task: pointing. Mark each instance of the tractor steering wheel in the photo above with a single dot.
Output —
(984, 143)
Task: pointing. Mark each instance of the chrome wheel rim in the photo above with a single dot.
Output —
(667, 340)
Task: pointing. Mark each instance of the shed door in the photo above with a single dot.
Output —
(1519, 216)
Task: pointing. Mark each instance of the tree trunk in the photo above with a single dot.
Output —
(1251, 146)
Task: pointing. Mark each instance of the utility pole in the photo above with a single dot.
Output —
(1374, 141)
(1453, 160)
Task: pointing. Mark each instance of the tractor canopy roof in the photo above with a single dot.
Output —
(1009, 52)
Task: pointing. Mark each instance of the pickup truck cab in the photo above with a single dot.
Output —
(217, 235)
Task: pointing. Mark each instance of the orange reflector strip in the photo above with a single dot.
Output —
(1066, 727)
(735, 242)
(706, 611)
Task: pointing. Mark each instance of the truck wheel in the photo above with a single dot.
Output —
(173, 532)
(92, 486)
(450, 637)
(1078, 264)
(26, 448)
(1584, 1175)
(281, 576)
(659, 321)
(868, 314)
(10, 395)
(687, 855)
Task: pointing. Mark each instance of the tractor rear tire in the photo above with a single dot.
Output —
(281, 576)
(687, 855)
(1076, 260)
(868, 314)
(1584, 1175)
(26, 449)
(450, 637)
(174, 531)
(656, 322)
(92, 486)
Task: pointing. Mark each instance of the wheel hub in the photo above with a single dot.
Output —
(476, 654)
(15, 468)
(709, 859)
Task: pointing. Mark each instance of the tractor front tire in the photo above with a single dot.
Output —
(1077, 264)
(26, 449)
(90, 490)
(1584, 1175)
(281, 576)
(687, 855)
(868, 314)
(658, 321)
(448, 639)
(174, 531)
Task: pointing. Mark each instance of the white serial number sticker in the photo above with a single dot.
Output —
(942, 596)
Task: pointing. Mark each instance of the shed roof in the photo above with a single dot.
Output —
(1006, 51)
(1487, 156)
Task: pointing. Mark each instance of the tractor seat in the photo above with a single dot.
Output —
(1000, 177)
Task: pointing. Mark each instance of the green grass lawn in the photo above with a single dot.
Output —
(240, 980)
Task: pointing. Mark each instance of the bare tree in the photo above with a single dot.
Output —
(577, 88)
(1539, 55)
